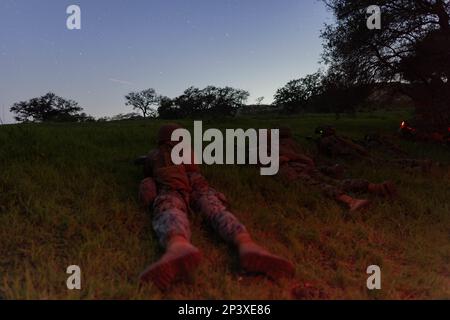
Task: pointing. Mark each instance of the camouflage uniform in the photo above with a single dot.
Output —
(384, 144)
(311, 176)
(413, 163)
(173, 189)
(374, 141)
(333, 145)
(180, 188)
(212, 206)
(170, 216)
(294, 165)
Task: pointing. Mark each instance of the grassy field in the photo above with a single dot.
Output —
(68, 195)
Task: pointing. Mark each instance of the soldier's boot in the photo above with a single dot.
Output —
(353, 204)
(178, 263)
(385, 189)
(254, 258)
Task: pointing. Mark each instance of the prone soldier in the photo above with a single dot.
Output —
(296, 166)
(330, 144)
(376, 141)
(173, 191)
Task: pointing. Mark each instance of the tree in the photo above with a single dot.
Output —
(322, 92)
(259, 101)
(191, 103)
(83, 117)
(296, 95)
(412, 46)
(168, 109)
(337, 94)
(195, 102)
(145, 101)
(49, 107)
(224, 101)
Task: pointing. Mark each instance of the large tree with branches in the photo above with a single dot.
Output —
(412, 49)
(144, 101)
(49, 107)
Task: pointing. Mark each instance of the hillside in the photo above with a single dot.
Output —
(68, 195)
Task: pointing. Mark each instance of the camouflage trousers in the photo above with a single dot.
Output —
(412, 163)
(171, 208)
(311, 176)
(339, 147)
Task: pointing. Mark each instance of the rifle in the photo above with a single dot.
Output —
(140, 161)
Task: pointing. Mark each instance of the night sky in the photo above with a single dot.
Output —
(169, 45)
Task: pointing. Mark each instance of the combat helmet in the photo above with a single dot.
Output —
(165, 132)
(325, 131)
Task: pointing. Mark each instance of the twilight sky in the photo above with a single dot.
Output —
(169, 45)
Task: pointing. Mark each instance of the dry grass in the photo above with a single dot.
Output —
(68, 196)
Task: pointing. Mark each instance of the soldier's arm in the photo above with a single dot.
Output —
(293, 156)
(147, 192)
(359, 148)
(147, 163)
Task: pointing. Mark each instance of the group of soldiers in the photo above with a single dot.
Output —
(173, 191)
(332, 145)
(295, 165)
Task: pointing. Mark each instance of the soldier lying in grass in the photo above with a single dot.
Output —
(384, 144)
(297, 166)
(332, 145)
(172, 190)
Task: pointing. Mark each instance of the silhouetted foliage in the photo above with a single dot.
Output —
(413, 45)
(210, 101)
(338, 95)
(320, 92)
(428, 71)
(168, 109)
(145, 101)
(122, 117)
(83, 117)
(297, 95)
(49, 107)
(259, 100)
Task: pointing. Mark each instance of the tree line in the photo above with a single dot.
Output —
(409, 54)
(193, 103)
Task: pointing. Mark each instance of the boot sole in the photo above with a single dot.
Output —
(272, 266)
(178, 269)
(362, 207)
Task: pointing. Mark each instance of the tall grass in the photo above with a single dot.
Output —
(68, 196)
